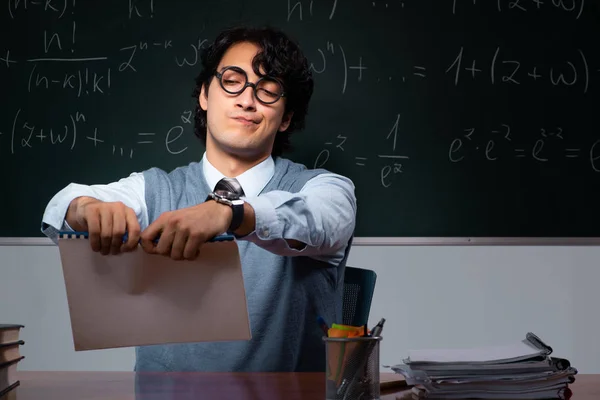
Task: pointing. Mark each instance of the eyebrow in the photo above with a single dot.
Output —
(227, 66)
(237, 66)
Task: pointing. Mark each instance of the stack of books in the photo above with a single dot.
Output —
(10, 355)
(523, 370)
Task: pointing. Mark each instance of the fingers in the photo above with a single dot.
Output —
(176, 240)
(179, 242)
(150, 234)
(182, 232)
(165, 228)
(106, 224)
(119, 224)
(192, 248)
(166, 241)
(133, 231)
(93, 223)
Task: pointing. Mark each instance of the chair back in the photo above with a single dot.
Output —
(359, 286)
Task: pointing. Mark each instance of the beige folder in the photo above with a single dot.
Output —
(136, 298)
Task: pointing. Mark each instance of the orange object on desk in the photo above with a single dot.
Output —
(338, 355)
(340, 331)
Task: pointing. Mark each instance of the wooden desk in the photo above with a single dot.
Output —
(191, 385)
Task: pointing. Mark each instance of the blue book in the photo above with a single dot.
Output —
(85, 235)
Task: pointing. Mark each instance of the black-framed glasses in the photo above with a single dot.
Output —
(234, 80)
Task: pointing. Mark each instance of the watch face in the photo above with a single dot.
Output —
(226, 194)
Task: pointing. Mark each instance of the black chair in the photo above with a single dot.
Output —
(359, 286)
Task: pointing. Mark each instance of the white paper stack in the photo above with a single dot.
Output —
(523, 370)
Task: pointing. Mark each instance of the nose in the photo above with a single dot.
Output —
(246, 99)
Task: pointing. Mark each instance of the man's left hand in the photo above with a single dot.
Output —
(182, 232)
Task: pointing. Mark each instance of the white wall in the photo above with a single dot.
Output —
(431, 296)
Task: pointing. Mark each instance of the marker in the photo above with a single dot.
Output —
(376, 331)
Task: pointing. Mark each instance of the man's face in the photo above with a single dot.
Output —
(240, 125)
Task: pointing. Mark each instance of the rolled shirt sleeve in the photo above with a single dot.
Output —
(322, 215)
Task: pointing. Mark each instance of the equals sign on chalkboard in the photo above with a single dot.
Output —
(360, 161)
(572, 153)
(146, 134)
(520, 153)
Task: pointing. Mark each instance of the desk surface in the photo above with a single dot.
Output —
(182, 386)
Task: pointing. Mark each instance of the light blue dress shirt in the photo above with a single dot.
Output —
(322, 215)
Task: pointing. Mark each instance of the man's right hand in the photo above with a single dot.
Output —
(106, 223)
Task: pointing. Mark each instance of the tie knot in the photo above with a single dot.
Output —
(231, 185)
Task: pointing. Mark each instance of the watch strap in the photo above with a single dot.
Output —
(237, 208)
(238, 215)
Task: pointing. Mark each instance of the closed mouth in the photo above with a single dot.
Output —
(246, 120)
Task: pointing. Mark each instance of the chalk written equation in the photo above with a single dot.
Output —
(303, 9)
(389, 164)
(56, 7)
(328, 51)
(79, 80)
(85, 75)
(74, 131)
(171, 136)
(59, 8)
(573, 71)
(96, 75)
(190, 59)
(570, 7)
(551, 144)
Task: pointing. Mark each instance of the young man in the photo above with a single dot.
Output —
(293, 225)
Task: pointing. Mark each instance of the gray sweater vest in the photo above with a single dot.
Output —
(284, 294)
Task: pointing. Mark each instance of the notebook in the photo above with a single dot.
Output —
(136, 298)
(530, 348)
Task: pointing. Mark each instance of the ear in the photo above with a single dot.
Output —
(285, 121)
(203, 98)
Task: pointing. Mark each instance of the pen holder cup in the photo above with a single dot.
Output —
(352, 368)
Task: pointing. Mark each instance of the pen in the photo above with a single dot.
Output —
(376, 331)
(323, 325)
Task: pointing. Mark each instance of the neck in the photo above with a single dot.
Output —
(231, 165)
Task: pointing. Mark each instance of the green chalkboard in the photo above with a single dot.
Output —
(453, 118)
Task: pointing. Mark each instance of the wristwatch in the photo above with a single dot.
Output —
(232, 200)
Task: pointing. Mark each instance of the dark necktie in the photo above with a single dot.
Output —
(231, 185)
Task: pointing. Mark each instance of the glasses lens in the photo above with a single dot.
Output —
(233, 81)
(268, 90)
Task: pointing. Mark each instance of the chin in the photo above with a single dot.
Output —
(242, 148)
(241, 143)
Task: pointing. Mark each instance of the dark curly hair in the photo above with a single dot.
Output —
(280, 57)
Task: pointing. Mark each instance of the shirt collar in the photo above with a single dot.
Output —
(252, 181)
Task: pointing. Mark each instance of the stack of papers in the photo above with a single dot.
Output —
(523, 370)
